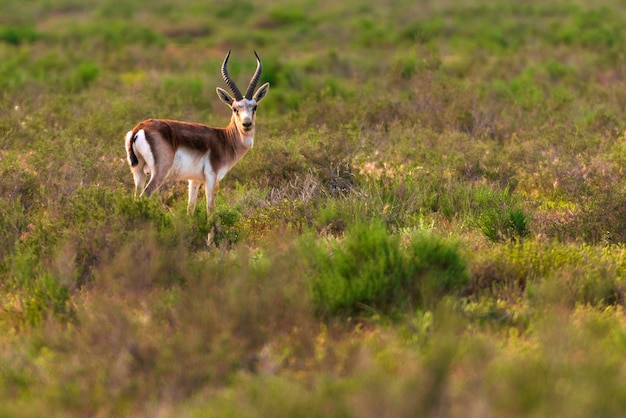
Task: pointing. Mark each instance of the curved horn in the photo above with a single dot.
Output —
(255, 78)
(230, 83)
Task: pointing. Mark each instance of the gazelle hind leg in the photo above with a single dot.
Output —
(139, 177)
(147, 165)
(157, 178)
(194, 187)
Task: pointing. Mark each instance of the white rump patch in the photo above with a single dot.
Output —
(142, 148)
(127, 146)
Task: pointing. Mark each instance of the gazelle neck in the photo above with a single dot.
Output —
(239, 137)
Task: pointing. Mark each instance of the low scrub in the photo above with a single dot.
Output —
(372, 270)
(552, 273)
(431, 222)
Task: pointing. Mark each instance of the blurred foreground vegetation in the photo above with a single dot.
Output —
(431, 222)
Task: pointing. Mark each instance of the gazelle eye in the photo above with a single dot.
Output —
(235, 110)
(254, 109)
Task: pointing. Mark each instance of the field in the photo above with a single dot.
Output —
(431, 223)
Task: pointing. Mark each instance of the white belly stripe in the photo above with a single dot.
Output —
(190, 165)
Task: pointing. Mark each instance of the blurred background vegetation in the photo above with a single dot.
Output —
(431, 222)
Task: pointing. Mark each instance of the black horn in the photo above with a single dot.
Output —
(230, 83)
(255, 78)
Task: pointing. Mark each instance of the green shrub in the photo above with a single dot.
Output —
(423, 30)
(500, 224)
(500, 216)
(133, 210)
(238, 10)
(364, 272)
(42, 294)
(283, 16)
(45, 297)
(370, 270)
(225, 227)
(17, 35)
(439, 265)
(84, 75)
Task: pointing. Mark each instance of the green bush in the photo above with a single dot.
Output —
(42, 294)
(500, 216)
(17, 35)
(225, 227)
(439, 266)
(370, 270)
(84, 75)
(365, 271)
(284, 16)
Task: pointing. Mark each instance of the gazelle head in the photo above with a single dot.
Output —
(243, 106)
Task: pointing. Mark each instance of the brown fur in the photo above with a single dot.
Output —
(171, 134)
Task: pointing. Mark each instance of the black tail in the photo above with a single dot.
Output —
(131, 152)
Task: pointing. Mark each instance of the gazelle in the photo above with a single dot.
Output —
(169, 149)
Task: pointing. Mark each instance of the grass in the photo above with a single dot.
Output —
(430, 222)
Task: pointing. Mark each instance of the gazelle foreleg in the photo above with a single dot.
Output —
(209, 188)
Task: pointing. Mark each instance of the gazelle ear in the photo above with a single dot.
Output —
(261, 92)
(224, 96)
